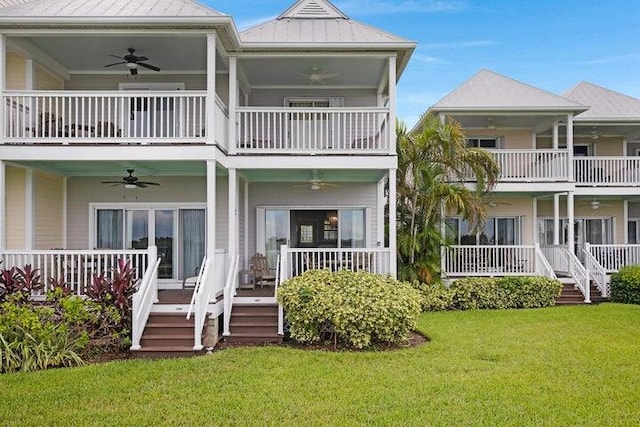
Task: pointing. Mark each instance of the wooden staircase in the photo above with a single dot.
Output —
(571, 294)
(167, 335)
(254, 324)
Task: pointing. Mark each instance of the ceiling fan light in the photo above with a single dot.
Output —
(130, 186)
(132, 65)
(315, 186)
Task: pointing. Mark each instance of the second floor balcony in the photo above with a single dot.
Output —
(523, 166)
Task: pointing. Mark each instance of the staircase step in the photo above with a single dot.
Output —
(166, 340)
(244, 317)
(251, 338)
(169, 318)
(165, 352)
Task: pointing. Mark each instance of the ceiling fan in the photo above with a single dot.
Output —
(594, 133)
(317, 76)
(316, 183)
(595, 204)
(130, 181)
(132, 62)
(492, 203)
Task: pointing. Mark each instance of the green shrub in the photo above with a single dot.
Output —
(504, 292)
(625, 285)
(433, 296)
(356, 308)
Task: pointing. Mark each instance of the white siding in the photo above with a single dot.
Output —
(86, 190)
(48, 211)
(275, 98)
(357, 195)
(111, 81)
(15, 210)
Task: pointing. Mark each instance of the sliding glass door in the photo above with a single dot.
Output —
(179, 235)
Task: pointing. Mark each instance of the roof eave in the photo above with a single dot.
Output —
(512, 109)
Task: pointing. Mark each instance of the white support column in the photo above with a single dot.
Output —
(534, 140)
(393, 104)
(534, 215)
(443, 118)
(246, 224)
(210, 133)
(3, 73)
(65, 214)
(3, 210)
(556, 219)
(381, 205)
(392, 224)
(233, 214)
(233, 103)
(443, 235)
(624, 147)
(29, 209)
(570, 218)
(570, 145)
(556, 134)
(211, 209)
(625, 219)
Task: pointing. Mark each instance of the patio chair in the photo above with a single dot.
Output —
(262, 274)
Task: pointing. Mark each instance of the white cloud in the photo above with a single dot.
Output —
(426, 59)
(614, 59)
(370, 7)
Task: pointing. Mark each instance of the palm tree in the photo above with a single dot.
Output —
(434, 163)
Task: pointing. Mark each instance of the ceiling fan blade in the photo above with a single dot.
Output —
(119, 57)
(147, 183)
(329, 185)
(115, 63)
(133, 71)
(141, 58)
(327, 76)
(140, 185)
(301, 74)
(149, 66)
(112, 182)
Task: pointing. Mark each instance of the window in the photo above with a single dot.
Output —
(633, 228)
(496, 231)
(483, 142)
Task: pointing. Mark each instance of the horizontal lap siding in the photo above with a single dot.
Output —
(16, 72)
(49, 211)
(357, 195)
(15, 207)
(47, 81)
(86, 190)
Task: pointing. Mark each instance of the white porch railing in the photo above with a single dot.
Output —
(531, 165)
(613, 257)
(309, 130)
(144, 299)
(230, 289)
(562, 260)
(280, 277)
(101, 116)
(200, 302)
(596, 272)
(543, 267)
(76, 267)
(473, 260)
(607, 171)
(299, 260)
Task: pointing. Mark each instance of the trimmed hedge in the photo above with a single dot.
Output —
(356, 308)
(473, 293)
(625, 285)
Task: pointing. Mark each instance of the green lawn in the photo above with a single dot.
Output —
(557, 366)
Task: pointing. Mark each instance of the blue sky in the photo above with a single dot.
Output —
(549, 44)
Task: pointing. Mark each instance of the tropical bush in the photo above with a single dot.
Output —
(433, 296)
(625, 285)
(357, 309)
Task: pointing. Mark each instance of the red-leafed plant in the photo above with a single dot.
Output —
(19, 280)
(59, 284)
(116, 290)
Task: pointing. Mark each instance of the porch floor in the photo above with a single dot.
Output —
(179, 296)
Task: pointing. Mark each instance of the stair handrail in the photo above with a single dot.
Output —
(144, 299)
(280, 274)
(543, 267)
(202, 298)
(596, 272)
(579, 274)
(229, 294)
(197, 287)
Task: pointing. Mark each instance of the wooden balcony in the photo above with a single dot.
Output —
(125, 117)
(607, 171)
(313, 130)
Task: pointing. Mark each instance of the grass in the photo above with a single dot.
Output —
(558, 366)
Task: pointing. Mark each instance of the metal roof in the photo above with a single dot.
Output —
(490, 91)
(316, 22)
(111, 8)
(606, 104)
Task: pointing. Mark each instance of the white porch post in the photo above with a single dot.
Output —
(246, 224)
(233, 103)
(381, 204)
(625, 219)
(210, 133)
(443, 234)
(393, 104)
(211, 209)
(29, 209)
(233, 217)
(555, 135)
(534, 226)
(65, 213)
(570, 227)
(556, 219)
(3, 210)
(393, 258)
(570, 145)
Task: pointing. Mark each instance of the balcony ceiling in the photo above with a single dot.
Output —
(91, 52)
(354, 72)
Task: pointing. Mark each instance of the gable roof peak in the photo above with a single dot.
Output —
(313, 9)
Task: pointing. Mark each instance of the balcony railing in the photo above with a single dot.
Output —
(69, 117)
(312, 130)
(372, 260)
(613, 257)
(531, 165)
(76, 268)
(607, 171)
(471, 260)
